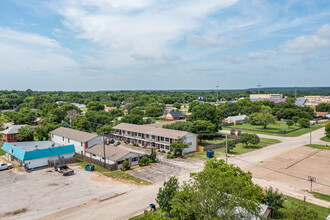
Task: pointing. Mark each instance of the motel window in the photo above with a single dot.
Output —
(139, 134)
(161, 138)
(167, 139)
(62, 138)
(102, 158)
(147, 136)
(153, 136)
(68, 140)
(11, 136)
(81, 143)
(52, 135)
(134, 159)
(94, 155)
(120, 162)
(139, 141)
(129, 133)
(167, 147)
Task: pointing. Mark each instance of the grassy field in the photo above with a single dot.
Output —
(239, 149)
(318, 146)
(325, 139)
(321, 196)
(158, 212)
(2, 152)
(278, 126)
(210, 142)
(323, 212)
(116, 175)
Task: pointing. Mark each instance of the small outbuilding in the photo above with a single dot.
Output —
(114, 155)
(35, 154)
(174, 115)
(236, 119)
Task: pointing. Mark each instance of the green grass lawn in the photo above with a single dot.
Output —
(158, 212)
(239, 149)
(318, 146)
(2, 152)
(210, 142)
(321, 196)
(325, 139)
(278, 126)
(323, 212)
(116, 174)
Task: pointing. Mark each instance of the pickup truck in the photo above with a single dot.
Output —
(5, 166)
(64, 169)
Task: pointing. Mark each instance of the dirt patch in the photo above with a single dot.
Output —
(100, 179)
(13, 213)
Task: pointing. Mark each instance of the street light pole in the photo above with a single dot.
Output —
(310, 136)
(217, 94)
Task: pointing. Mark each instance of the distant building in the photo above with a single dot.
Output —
(277, 98)
(35, 154)
(80, 139)
(10, 134)
(113, 155)
(107, 109)
(312, 101)
(169, 108)
(174, 115)
(236, 119)
(155, 137)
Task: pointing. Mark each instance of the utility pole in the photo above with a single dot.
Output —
(310, 136)
(217, 94)
(103, 149)
(226, 150)
(259, 88)
(304, 208)
(311, 179)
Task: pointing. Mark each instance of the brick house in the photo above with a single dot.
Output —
(10, 134)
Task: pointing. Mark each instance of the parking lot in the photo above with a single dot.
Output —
(42, 192)
(159, 172)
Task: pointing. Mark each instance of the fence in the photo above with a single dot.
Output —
(271, 132)
(97, 162)
(220, 145)
(52, 163)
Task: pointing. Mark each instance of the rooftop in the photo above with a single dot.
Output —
(112, 153)
(33, 145)
(147, 129)
(74, 134)
(12, 129)
(237, 118)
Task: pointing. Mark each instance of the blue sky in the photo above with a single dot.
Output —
(163, 44)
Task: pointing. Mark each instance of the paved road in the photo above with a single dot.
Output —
(137, 200)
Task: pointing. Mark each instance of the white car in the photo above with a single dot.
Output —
(5, 166)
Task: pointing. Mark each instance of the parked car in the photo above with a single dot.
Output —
(5, 166)
(64, 169)
(116, 143)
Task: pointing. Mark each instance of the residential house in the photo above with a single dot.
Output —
(113, 155)
(80, 139)
(10, 134)
(174, 115)
(35, 154)
(236, 119)
(155, 137)
(107, 109)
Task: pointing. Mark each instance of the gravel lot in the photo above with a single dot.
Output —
(42, 192)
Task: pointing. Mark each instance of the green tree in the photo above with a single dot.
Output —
(274, 198)
(265, 116)
(153, 155)
(106, 129)
(81, 123)
(290, 123)
(125, 165)
(133, 119)
(295, 211)
(304, 122)
(95, 106)
(220, 191)
(295, 119)
(327, 130)
(153, 110)
(323, 107)
(203, 127)
(136, 111)
(192, 105)
(231, 145)
(41, 133)
(24, 132)
(176, 105)
(178, 148)
(166, 194)
(247, 139)
(206, 112)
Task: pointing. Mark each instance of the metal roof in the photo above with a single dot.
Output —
(73, 134)
(24, 153)
(177, 114)
(12, 129)
(237, 118)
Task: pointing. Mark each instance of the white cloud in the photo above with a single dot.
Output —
(211, 41)
(256, 55)
(308, 43)
(27, 56)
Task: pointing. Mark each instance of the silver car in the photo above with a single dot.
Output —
(5, 166)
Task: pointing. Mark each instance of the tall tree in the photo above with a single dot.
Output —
(265, 117)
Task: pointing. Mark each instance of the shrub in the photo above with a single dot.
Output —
(167, 152)
(304, 122)
(135, 145)
(125, 165)
(231, 145)
(273, 198)
(249, 139)
(327, 130)
(290, 123)
(144, 161)
(239, 132)
(167, 193)
(141, 164)
(153, 155)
